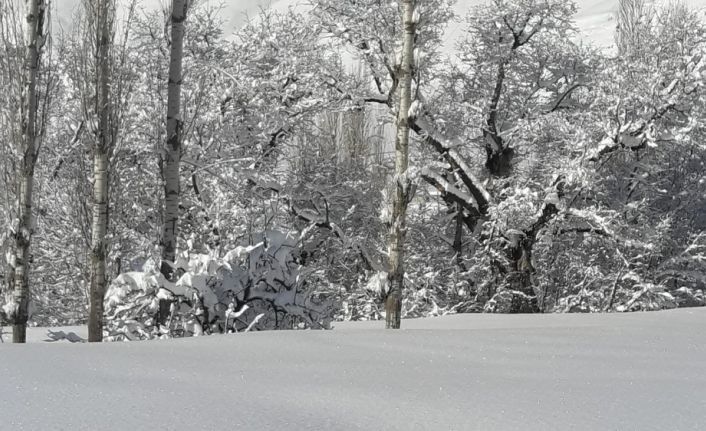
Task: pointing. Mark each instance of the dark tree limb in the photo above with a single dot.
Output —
(453, 197)
(458, 165)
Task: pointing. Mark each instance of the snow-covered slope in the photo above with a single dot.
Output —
(642, 371)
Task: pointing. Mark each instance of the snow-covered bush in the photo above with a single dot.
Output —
(258, 286)
(649, 297)
(511, 301)
(686, 297)
(582, 302)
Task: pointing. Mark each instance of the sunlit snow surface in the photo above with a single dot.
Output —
(640, 371)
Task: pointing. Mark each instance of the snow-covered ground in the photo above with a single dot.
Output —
(641, 371)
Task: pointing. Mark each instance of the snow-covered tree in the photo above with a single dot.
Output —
(28, 112)
(97, 73)
(541, 174)
(373, 33)
(649, 106)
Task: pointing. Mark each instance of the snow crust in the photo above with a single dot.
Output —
(641, 371)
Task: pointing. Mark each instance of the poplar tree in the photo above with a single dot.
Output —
(172, 149)
(402, 194)
(102, 148)
(29, 144)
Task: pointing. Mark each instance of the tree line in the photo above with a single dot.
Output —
(161, 178)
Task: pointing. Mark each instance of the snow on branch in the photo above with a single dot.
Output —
(315, 220)
(255, 283)
(593, 219)
(450, 192)
(585, 229)
(633, 136)
(550, 207)
(422, 128)
(624, 141)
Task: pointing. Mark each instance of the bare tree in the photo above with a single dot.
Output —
(633, 18)
(402, 194)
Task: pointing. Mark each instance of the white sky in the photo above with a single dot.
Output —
(234, 10)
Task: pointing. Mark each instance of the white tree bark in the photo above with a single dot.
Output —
(101, 151)
(34, 40)
(398, 228)
(172, 149)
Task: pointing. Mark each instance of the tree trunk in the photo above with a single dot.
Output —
(458, 237)
(498, 155)
(174, 138)
(29, 150)
(101, 152)
(393, 303)
(518, 276)
(521, 269)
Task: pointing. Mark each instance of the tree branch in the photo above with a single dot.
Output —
(481, 196)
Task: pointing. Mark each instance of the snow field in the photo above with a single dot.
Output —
(637, 371)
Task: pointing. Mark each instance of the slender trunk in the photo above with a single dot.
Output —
(521, 269)
(21, 293)
(492, 121)
(393, 304)
(172, 150)
(101, 151)
(458, 237)
(611, 297)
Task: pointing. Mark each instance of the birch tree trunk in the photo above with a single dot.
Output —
(172, 148)
(396, 240)
(101, 151)
(34, 39)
